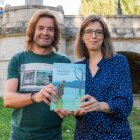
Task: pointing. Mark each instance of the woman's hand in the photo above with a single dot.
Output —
(63, 113)
(79, 113)
(93, 105)
(45, 94)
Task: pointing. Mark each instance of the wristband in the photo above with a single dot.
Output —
(32, 97)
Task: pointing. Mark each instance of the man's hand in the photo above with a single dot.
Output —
(45, 94)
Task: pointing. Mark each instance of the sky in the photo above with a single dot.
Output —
(71, 7)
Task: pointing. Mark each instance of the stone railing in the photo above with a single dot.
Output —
(15, 19)
(119, 26)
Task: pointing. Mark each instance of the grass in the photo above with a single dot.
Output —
(135, 123)
(68, 128)
(68, 124)
(4, 122)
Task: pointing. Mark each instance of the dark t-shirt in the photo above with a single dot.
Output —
(35, 121)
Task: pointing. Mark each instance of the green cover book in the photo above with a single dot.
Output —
(69, 79)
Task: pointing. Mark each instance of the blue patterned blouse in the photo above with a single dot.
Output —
(111, 84)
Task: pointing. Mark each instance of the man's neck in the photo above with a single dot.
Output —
(41, 51)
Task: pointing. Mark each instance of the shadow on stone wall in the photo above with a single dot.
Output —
(134, 63)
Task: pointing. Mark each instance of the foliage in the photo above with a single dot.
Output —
(108, 7)
(129, 8)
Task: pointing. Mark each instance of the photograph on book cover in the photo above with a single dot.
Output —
(34, 76)
(69, 79)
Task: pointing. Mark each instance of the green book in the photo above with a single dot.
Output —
(69, 79)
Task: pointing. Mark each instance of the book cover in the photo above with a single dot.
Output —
(69, 79)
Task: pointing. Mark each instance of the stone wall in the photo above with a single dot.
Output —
(125, 32)
(33, 2)
(15, 19)
(0, 20)
(119, 26)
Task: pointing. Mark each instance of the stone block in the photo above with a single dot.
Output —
(120, 30)
(114, 35)
(137, 33)
(128, 35)
(33, 2)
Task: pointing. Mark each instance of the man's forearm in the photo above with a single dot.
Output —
(17, 100)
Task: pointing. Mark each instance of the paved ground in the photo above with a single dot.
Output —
(137, 101)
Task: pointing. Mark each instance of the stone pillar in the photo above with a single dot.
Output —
(0, 21)
(33, 2)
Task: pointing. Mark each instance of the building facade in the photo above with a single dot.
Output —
(125, 33)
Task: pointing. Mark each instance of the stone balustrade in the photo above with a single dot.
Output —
(119, 26)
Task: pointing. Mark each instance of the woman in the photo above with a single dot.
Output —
(108, 99)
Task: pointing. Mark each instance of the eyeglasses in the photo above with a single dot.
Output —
(90, 32)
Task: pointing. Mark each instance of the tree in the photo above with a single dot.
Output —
(80, 78)
(108, 7)
(102, 7)
(129, 8)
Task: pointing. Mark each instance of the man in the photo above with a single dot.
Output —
(25, 89)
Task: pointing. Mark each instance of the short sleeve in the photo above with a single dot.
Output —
(12, 71)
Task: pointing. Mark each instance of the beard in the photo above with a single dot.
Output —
(42, 45)
(45, 45)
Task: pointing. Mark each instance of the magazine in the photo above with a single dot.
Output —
(69, 79)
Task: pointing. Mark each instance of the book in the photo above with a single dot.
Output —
(69, 79)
